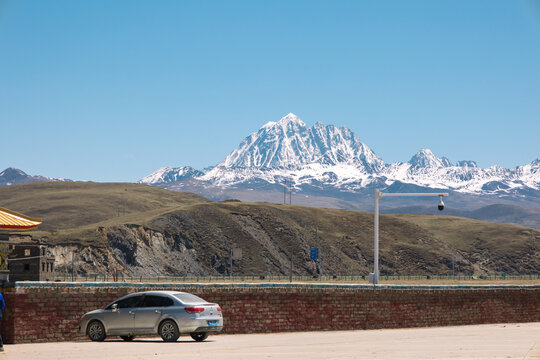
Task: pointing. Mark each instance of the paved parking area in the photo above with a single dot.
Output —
(510, 341)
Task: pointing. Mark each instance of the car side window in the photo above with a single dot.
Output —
(130, 302)
(157, 301)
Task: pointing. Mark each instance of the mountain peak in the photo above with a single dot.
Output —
(291, 118)
(467, 163)
(169, 174)
(12, 172)
(13, 176)
(425, 152)
(284, 121)
(425, 158)
(289, 143)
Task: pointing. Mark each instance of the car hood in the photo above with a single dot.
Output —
(93, 312)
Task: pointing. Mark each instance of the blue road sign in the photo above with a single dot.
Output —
(314, 254)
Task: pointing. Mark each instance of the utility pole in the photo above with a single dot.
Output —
(319, 245)
(374, 276)
(230, 274)
(290, 272)
(72, 267)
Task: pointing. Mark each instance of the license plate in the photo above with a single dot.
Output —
(213, 322)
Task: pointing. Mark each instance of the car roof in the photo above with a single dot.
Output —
(158, 292)
(152, 292)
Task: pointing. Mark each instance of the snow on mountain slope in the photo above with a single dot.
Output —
(289, 143)
(460, 178)
(335, 175)
(426, 159)
(328, 156)
(529, 174)
(170, 174)
(425, 169)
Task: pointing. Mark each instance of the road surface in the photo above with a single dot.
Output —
(502, 341)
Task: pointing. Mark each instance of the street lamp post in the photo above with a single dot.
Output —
(374, 276)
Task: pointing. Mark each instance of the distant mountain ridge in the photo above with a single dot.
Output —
(328, 166)
(13, 176)
(170, 174)
(288, 151)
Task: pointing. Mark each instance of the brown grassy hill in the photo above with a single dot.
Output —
(149, 231)
(71, 205)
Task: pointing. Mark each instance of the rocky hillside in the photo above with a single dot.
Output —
(143, 230)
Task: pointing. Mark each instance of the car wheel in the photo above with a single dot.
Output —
(127, 337)
(96, 331)
(201, 336)
(169, 331)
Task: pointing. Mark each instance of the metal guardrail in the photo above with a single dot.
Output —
(285, 278)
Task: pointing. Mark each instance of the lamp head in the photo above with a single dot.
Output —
(441, 203)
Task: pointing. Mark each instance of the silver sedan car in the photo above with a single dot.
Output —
(164, 313)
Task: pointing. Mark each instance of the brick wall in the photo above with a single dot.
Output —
(38, 312)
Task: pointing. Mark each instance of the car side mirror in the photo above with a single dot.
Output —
(114, 307)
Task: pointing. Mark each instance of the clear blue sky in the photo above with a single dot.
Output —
(113, 90)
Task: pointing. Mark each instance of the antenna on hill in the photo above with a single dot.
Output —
(121, 210)
(290, 191)
(285, 193)
(289, 180)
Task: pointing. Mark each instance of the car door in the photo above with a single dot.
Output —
(121, 321)
(149, 314)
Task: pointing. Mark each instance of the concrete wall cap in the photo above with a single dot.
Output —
(261, 286)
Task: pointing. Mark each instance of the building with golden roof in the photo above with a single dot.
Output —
(28, 259)
(14, 221)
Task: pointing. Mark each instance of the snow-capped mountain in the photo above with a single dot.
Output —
(13, 176)
(288, 150)
(331, 158)
(425, 169)
(289, 143)
(426, 159)
(170, 174)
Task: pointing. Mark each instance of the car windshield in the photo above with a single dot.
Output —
(189, 298)
(129, 302)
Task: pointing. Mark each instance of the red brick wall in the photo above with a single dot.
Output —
(38, 312)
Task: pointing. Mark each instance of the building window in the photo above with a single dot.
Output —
(42, 266)
(26, 252)
(51, 267)
(26, 267)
